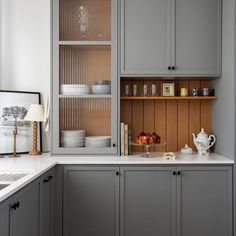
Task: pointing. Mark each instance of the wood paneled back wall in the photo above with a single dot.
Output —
(173, 120)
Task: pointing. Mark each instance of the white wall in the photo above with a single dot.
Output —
(223, 108)
(26, 43)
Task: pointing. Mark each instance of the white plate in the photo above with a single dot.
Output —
(101, 89)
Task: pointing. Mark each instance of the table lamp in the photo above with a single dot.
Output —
(35, 114)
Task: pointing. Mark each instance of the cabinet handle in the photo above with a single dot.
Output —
(114, 145)
(174, 172)
(13, 207)
(169, 67)
(17, 204)
(178, 173)
(117, 173)
(48, 179)
(173, 68)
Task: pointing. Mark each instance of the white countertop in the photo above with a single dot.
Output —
(38, 165)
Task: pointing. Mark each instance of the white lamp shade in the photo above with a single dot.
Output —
(35, 113)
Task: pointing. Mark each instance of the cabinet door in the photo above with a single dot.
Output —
(198, 37)
(91, 201)
(26, 215)
(205, 201)
(145, 37)
(46, 204)
(148, 201)
(5, 218)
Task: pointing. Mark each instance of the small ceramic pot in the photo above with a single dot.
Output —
(205, 92)
(196, 92)
(186, 149)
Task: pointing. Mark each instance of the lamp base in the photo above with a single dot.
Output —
(34, 153)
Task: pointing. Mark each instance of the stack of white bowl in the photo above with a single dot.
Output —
(75, 89)
(98, 141)
(72, 138)
(102, 87)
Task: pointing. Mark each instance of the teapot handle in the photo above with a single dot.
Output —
(214, 140)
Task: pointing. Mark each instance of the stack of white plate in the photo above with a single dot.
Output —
(75, 89)
(72, 138)
(98, 141)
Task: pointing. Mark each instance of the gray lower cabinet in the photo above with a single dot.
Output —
(5, 217)
(25, 212)
(147, 201)
(176, 201)
(46, 204)
(91, 201)
(204, 201)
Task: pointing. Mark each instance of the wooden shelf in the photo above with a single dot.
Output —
(85, 43)
(86, 96)
(171, 98)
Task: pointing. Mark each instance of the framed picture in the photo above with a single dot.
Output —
(14, 106)
(168, 89)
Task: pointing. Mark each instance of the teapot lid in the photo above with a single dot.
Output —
(202, 133)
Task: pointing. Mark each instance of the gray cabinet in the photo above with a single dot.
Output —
(172, 37)
(25, 215)
(176, 201)
(198, 37)
(46, 204)
(145, 47)
(91, 201)
(148, 201)
(204, 201)
(5, 218)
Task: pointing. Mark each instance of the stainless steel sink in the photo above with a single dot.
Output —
(2, 186)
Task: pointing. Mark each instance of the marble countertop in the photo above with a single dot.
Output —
(37, 165)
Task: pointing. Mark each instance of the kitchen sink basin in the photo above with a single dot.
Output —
(11, 177)
(2, 186)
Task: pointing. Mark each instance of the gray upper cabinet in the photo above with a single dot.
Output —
(25, 219)
(171, 37)
(198, 37)
(204, 201)
(145, 33)
(91, 201)
(148, 201)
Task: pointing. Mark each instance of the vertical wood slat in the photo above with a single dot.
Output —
(206, 111)
(194, 114)
(183, 119)
(137, 117)
(171, 125)
(174, 121)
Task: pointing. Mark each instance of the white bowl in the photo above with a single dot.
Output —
(101, 89)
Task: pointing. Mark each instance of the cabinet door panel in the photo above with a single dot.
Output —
(198, 37)
(46, 204)
(145, 37)
(147, 201)
(5, 218)
(205, 201)
(26, 216)
(91, 201)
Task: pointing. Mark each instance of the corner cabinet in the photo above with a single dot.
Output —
(172, 37)
(85, 84)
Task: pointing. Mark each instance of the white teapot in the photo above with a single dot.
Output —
(203, 142)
